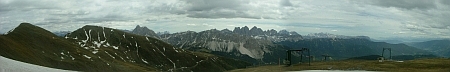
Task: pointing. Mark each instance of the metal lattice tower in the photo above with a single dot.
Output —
(288, 54)
(390, 53)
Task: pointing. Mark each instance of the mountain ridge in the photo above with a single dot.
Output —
(95, 48)
(438, 47)
(255, 44)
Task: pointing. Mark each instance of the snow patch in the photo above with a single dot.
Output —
(72, 57)
(122, 58)
(87, 56)
(136, 44)
(104, 35)
(174, 65)
(107, 44)
(95, 51)
(97, 44)
(88, 36)
(115, 47)
(110, 55)
(9, 65)
(144, 61)
(98, 36)
(123, 35)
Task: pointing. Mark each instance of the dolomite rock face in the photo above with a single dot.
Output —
(254, 45)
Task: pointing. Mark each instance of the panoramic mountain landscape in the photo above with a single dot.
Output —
(94, 48)
(224, 35)
(268, 47)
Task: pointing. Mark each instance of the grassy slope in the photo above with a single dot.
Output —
(419, 65)
(35, 45)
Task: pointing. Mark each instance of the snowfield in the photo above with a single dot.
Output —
(9, 65)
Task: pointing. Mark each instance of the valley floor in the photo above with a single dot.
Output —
(418, 65)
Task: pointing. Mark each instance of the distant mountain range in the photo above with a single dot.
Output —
(328, 35)
(94, 48)
(347, 48)
(267, 47)
(438, 47)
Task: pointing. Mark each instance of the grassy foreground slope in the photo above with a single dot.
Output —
(418, 65)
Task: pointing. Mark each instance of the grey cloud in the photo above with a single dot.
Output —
(71, 14)
(5, 9)
(206, 5)
(285, 3)
(165, 8)
(437, 19)
(446, 2)
(405, 4)
(428, 15)
(26, 5)
(417, 30)
(219, 14)
(219, 9)
(253, 9)
(109, 17)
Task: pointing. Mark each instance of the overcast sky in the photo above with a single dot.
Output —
(379, 19)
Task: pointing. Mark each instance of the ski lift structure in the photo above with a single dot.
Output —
(390, 53)
(289, 54)
(325, 56)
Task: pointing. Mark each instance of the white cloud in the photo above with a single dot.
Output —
(191, 24)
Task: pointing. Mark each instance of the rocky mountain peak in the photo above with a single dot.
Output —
(246, 31)
(144, 31)
(226, 31)
(245, 28)
(271, 32)
(256, 31)
(283, 32)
